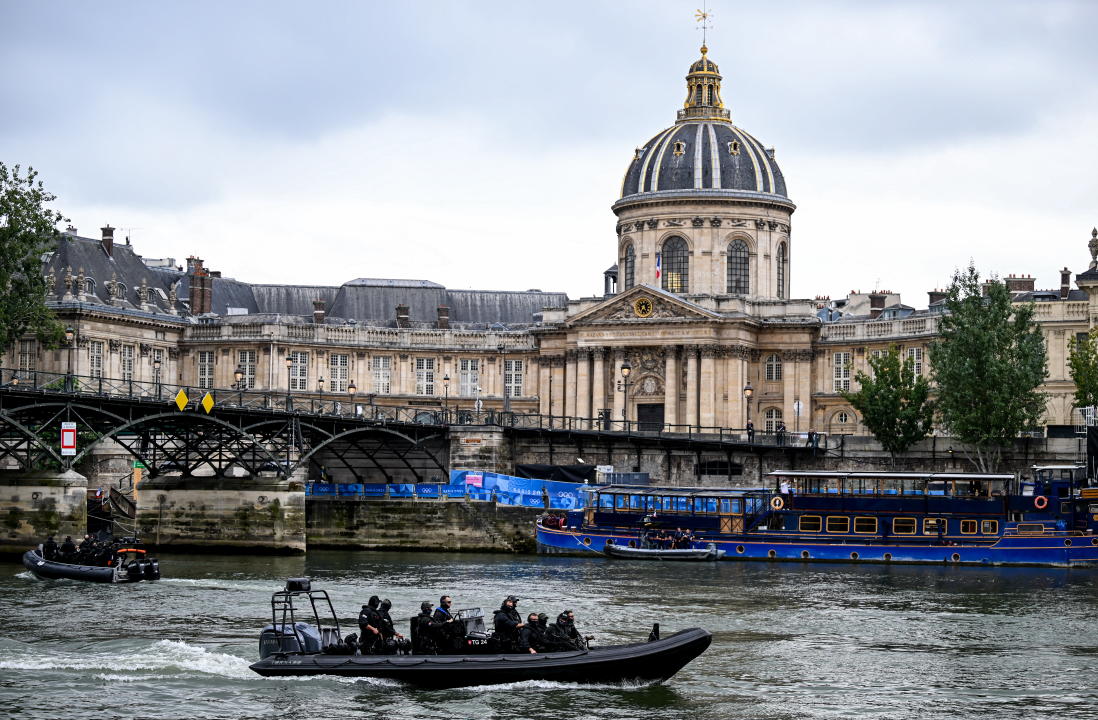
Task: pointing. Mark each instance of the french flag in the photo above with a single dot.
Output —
(659, 265)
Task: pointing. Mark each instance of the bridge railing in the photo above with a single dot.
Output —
(354, 407)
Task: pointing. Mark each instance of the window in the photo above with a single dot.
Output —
(989, 527)
(969, 527)
(841, 371)
(246, 359)
(773, 368)
(773, 418)
(934, 526)
(865, 525)
(842, 417)
(876, 354)
(338, 371)
(734, 147)
(628, 267)
(127, 362)
(299, 370)
(915, 357)
(810, 523)
(205, 369)
(468, 376)
(680, 147)
(512, 378)
(381, 368)
(739, 268)
(157, 357)
(838, 524)
(95, 358)
(903, 526)
(782, 262)
(28, 356)
(425, 376)
(676, 266)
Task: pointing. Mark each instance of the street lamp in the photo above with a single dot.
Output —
(156, 375)
(238, 374)
(748, 391)
(446, 393)
(70, 334)
(320, 389)
(623, 385)
(289, 380)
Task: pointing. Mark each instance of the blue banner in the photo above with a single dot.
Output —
(527, 492)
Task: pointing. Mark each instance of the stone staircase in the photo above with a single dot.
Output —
(491, 528)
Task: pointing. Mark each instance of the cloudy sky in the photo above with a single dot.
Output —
(480, 144)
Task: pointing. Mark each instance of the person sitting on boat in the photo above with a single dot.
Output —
(508, 623)
(449, 634)
(68, 548)
(562, 635)
(369, 625)
(392, 641)
(49, 548)
(531, 638)
(424, 630)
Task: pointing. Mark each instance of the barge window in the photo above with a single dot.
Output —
(623, 502)
(865, 525)
(934, 526)
(968, 527)
(810, 523)
(989, 527)
(903, 526)
(1031, 528)
(838, 524)
(606, 502)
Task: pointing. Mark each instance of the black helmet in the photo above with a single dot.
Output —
(425, 606)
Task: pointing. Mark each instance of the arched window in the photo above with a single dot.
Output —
(843, 423)
(739, 268)
(675, 261)
(773, 368)
(773, 419)
(628, 267)
(782, 264)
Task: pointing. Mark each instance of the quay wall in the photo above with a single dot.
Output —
(453, 524)
(36, 505)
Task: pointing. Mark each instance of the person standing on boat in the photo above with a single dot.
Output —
(68, 548)
(369, 626)
(450, 633)
(392, 641)
(49, 548)
(531, 638)
(508, 623)
(423, 630)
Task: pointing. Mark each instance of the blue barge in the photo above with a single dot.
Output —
(952, 518)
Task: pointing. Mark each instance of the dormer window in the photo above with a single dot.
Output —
(734, 147)
(680, 147)
(639, 153)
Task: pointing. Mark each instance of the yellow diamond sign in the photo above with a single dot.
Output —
(181, 399)
(207, 403)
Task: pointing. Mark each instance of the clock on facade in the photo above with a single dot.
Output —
(642, 306)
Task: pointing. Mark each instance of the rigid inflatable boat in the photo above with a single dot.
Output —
(127, 564)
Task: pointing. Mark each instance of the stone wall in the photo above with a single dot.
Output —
(36, 505)
(258, 515)
(448, 525)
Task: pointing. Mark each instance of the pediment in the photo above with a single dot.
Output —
(642, 304)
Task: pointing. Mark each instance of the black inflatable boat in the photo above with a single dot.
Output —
(291, 647)
(128, 563)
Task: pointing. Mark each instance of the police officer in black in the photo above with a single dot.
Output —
(531, 638)
(49, 548)
(393, 641)
(449, 633)
(424, 631)
(562, 635)
(507, 623)
(369, 626)
(68, 548)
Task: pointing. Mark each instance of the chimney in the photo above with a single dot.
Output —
(201, 286)
(318, 312)
(108, 240)
(935, 296)
(876, 304)
(403, 320)
(443, 317)
(70, 231)
(1065, 283)
(1019, 283)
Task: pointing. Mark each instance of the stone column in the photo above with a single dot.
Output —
(735, 415)
(403, 363)
(619, 397)
(570, 384)
(557, 371)
(671, 385)
(543, 384)
(707, 386)
(691, 352)
(598, 381)
(583, 387)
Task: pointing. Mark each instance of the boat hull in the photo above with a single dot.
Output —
(625, 552)
(654, 661)
(1080, 551)
(52, 570)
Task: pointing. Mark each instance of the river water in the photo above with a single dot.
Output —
(790, 640)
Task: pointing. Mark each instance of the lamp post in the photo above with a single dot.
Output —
(320, 390)
(446, 396)
(748, 391)
(70, 340)
(623, 386)
(156, 374)
(289, 380)
(238, 375)
(351, 390)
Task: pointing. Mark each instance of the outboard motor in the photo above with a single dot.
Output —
(136, 571)
(152, 569)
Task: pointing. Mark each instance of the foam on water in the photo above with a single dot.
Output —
(26, 575)
(553, 685)
(222, 584)
(159, 656)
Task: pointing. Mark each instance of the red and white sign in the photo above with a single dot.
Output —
(474, 479)
(68, 438)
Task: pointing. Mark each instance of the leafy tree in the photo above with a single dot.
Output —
(894, 402)
(987, 365)
(1083, 360)
(27, 230)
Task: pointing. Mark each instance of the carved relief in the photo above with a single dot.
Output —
(737, 223)
(144, 349)
(760, 224)
(114, 345)
(697, 222)
(173, 353)
(143, 292)
(675, 223)
(638, 225)
(772, 224)
(648, 385)
(652, 224)
(797, 355)
(51, 281)
(715, 222)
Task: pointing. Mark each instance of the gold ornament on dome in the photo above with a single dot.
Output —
(643, 307)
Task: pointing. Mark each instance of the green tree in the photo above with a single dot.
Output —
(1083, 360)
(987, 365)
(894, 402)
(27, 230)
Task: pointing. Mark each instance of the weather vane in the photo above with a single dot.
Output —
(703, 16)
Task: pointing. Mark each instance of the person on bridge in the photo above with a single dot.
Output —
(508, 622)
(369, 626)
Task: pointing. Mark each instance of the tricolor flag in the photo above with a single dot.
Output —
(659, 265)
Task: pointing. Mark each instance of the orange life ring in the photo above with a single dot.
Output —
(1040, 502)
(776, 502)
